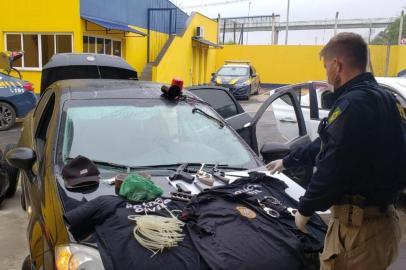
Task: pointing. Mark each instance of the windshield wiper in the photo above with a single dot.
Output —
(218, 121)
(173, 166)
(186, 165)
(108, 164)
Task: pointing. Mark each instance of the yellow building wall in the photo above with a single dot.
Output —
(378, 58)
(136, 48)
(294, 64)
(277, 64)
(178, 60)
(401, 58)
(41, 16)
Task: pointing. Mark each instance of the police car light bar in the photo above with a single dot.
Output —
(237, 62)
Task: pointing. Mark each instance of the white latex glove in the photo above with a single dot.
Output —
(275, 166)
(301, 222)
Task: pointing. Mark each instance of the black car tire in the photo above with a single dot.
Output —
(11, 172)
(4, 182)
(2, 199)
(7, 116)
(22, 201)
(257, 92)
(27, 264)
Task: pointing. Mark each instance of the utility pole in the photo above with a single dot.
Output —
(400, 28)
(249, 11)
(336, 24)
(235, 29)
(370, 33)
(224, 31)
(273, 29)
(287, 24)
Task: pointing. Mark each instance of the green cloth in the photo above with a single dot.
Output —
(139, 189)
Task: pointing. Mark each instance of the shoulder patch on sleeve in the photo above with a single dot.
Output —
(337, 111)
(402, 111)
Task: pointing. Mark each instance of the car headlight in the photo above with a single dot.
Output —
(77, 257)
(244, 83)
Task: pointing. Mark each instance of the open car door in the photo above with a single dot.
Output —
(277, 128)
(228, 107)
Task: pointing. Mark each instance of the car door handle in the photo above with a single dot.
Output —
(287, 120)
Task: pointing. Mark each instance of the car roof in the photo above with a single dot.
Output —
(86, 59)
(236, 65)
(397, 83)
(109, 89)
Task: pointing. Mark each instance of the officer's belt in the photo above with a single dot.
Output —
(362, 202)
(353, 215)
(356, 200)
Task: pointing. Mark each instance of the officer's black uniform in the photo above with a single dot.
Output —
(358, 151)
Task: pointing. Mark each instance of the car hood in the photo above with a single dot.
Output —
(220, 80)
(74, 199)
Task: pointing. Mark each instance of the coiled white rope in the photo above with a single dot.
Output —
(156, 233)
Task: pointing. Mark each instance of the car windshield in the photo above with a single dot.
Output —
(233, 71)
(148, 132)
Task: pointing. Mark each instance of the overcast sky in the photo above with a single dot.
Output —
(300, 10)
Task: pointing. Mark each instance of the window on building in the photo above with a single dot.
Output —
(63, 44)
(38, 48)
(92, 45)
(101, 45)
(116, 48)
(14, 44)
(48, 47)
(107, 46)
(85, 44)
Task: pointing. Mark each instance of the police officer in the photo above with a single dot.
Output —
(357, 158)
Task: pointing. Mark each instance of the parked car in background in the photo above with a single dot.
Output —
(85, 66)
(17, 96)
(240, 77)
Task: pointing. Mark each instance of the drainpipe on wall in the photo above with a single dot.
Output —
(400, 28)
(218, 29)
(387, 59)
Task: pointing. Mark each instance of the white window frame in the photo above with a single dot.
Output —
(39, 34)
(104, 43)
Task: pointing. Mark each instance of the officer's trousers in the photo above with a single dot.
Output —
(371, 246)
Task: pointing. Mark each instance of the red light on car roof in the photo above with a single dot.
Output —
(177, 82)
(29, 87)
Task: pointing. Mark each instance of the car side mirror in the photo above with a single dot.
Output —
(213, 74)
(274, 151)
(22, 158)
(254, 75)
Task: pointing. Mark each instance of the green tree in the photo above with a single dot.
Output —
(390, 34)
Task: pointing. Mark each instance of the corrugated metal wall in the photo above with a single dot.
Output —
(134, 12)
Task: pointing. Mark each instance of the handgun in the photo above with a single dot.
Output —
(180, 174)
(219, 175)
(182, 188)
